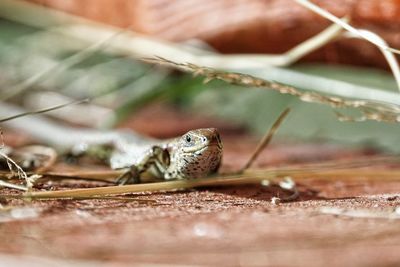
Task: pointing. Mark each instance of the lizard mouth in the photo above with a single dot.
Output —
(201, 148)
(194, 149)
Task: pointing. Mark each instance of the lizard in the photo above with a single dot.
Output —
(197, 153)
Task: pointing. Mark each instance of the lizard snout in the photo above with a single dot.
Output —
(214, 137)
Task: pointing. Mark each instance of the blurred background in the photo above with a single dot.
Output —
(42, 66)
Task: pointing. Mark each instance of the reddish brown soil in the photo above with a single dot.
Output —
(231, 226)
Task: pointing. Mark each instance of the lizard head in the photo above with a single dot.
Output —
(197, 153)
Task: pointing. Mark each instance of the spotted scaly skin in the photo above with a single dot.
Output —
(197, 153)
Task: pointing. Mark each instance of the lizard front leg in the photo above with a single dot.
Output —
(155, 160)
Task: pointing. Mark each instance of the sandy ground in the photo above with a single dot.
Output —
(351, 222)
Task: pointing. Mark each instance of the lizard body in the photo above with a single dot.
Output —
(197, 153)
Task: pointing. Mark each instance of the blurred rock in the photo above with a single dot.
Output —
(253, 26)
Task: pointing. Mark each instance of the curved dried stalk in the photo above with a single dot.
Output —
(355, 33)
(348, 27)
(370, 110)
(389, 56)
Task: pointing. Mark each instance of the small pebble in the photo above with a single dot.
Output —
(397, 210)
(265, 182)
(275, 200)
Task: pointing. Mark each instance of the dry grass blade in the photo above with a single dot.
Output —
(103, 176)
(13, 186)
(152, 187)
(350, 174)
(361, 162)
(112, 175)
(266, 139)
(21, 174)
(35, 112)
(352, 32)
(389, 56)
(149, 187)
(370, 110)
(249, 177)
(116, 198)
(345, 25)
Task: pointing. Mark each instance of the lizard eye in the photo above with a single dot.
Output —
(188, 139)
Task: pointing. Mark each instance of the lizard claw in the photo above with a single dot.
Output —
(129, 177)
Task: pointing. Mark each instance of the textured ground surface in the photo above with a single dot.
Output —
(232, 226)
